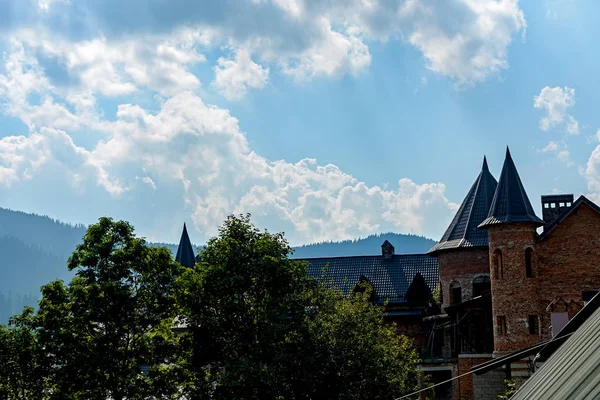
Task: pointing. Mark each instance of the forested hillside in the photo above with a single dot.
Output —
(34, 250)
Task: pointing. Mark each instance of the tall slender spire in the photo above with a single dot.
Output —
(185, 251)
(510, 203)
(463, 231)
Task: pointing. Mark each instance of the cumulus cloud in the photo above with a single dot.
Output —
(556, 102)
(465, 40)
(235, 77)
(165, 138)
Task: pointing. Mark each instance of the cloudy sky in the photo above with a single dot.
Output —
(326, 120)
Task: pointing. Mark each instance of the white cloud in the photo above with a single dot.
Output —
(560, 150)
(465, 40)
(555, 102)
(235, 77)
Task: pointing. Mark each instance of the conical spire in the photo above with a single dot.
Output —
(185, 252)
(510, 203)
(463, 231)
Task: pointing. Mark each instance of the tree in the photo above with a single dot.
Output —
(21, 373)
(260, 328)
(113, 318)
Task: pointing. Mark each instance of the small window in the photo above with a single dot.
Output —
(498, 273)
(546, 205)
(534, 327)
(481, 285)
(568, 204)
(558, 320)
(528, 266)
(588, 295)
(552, 205)
(455, 293)
(501, 325)
(561, 204)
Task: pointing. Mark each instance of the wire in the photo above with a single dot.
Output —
(468, 373)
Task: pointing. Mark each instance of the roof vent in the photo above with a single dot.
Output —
(387, 250)
(554, 205)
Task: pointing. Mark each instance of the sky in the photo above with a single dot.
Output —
(324, 120)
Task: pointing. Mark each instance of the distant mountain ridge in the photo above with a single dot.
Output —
(34, 250)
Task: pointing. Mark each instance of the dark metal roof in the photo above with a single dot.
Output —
(581, 200)
(390, 277)
(463, 231)
(510, 203)
(573, 371)
(185, 251)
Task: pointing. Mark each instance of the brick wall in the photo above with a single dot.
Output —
(514, 296)
(569, 262)
(462, 265)
(465, 384)
(489, 385)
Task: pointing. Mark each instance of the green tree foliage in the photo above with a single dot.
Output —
(261, 329)
(21, 373)
(255, 327)
(114, 317)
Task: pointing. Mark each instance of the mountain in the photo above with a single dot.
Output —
(371, 245)
(34, 250)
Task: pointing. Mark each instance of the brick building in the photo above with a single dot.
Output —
(508, 279)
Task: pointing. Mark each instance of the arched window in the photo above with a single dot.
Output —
(498, 272)
(455, 293)
(528, 267)
(481, 285)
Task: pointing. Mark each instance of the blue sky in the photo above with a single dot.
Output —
(327, 121)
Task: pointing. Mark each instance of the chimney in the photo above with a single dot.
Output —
(387, 250)
(554, 205)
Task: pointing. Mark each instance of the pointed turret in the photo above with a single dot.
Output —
(463, 231)
(185, 252)
(510, 203)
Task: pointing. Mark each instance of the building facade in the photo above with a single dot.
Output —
(508, 280)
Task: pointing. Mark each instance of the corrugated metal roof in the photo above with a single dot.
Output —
(390, 277)
(573, 371)
(463, 231)
(510, 203)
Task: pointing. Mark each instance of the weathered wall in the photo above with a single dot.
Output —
(489, 385)
(514, 296)
(462, 265)
(465, 363)
(569, 262)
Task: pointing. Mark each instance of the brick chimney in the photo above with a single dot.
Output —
(387, 250)
(554, 205)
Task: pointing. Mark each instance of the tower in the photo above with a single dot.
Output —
(511, 226)
(185, 252)
(463, 249)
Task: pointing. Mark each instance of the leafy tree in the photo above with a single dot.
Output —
(21, 374)
(260, 328)
(113, 318)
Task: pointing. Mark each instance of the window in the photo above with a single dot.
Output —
(501, 325)
(455, 293)
(498, 273)
(546, 205)
(558, 320)
(561, 204)
(528, 267)
(481, 285)
(588, 295)
(534, 327)
(568, 204)
(552, 205)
